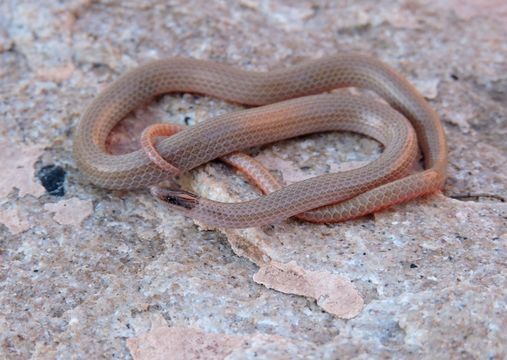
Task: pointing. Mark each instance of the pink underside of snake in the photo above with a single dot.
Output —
(290, 109)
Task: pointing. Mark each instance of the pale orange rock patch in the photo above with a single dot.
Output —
(333, 293)
(56, 74)
(182, 343)
(16, 165)
(70, 212)
(13, 220)
(291, 173)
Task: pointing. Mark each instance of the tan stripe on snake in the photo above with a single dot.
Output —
(291, 109)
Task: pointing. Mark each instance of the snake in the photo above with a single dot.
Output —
(283, 103)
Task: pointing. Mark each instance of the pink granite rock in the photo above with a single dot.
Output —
(431, 274)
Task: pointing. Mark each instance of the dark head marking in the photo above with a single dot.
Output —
(175, 197)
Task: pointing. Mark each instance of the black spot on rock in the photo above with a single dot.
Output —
(52, 178)
(413, 266)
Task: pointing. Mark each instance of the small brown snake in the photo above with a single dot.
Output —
(290, 109)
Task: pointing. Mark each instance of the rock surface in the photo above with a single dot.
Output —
(427, 277)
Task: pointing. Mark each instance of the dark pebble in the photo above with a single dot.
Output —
(52, 178)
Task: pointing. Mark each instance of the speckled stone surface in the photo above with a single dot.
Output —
(86, 282)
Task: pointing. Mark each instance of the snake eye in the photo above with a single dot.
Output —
(179, 198)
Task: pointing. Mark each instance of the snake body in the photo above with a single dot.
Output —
(290, 108)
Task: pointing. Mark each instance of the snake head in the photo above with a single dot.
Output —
(179, 198)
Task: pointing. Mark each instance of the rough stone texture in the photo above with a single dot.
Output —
(432, 272)
(70, 212)
(162, 342)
